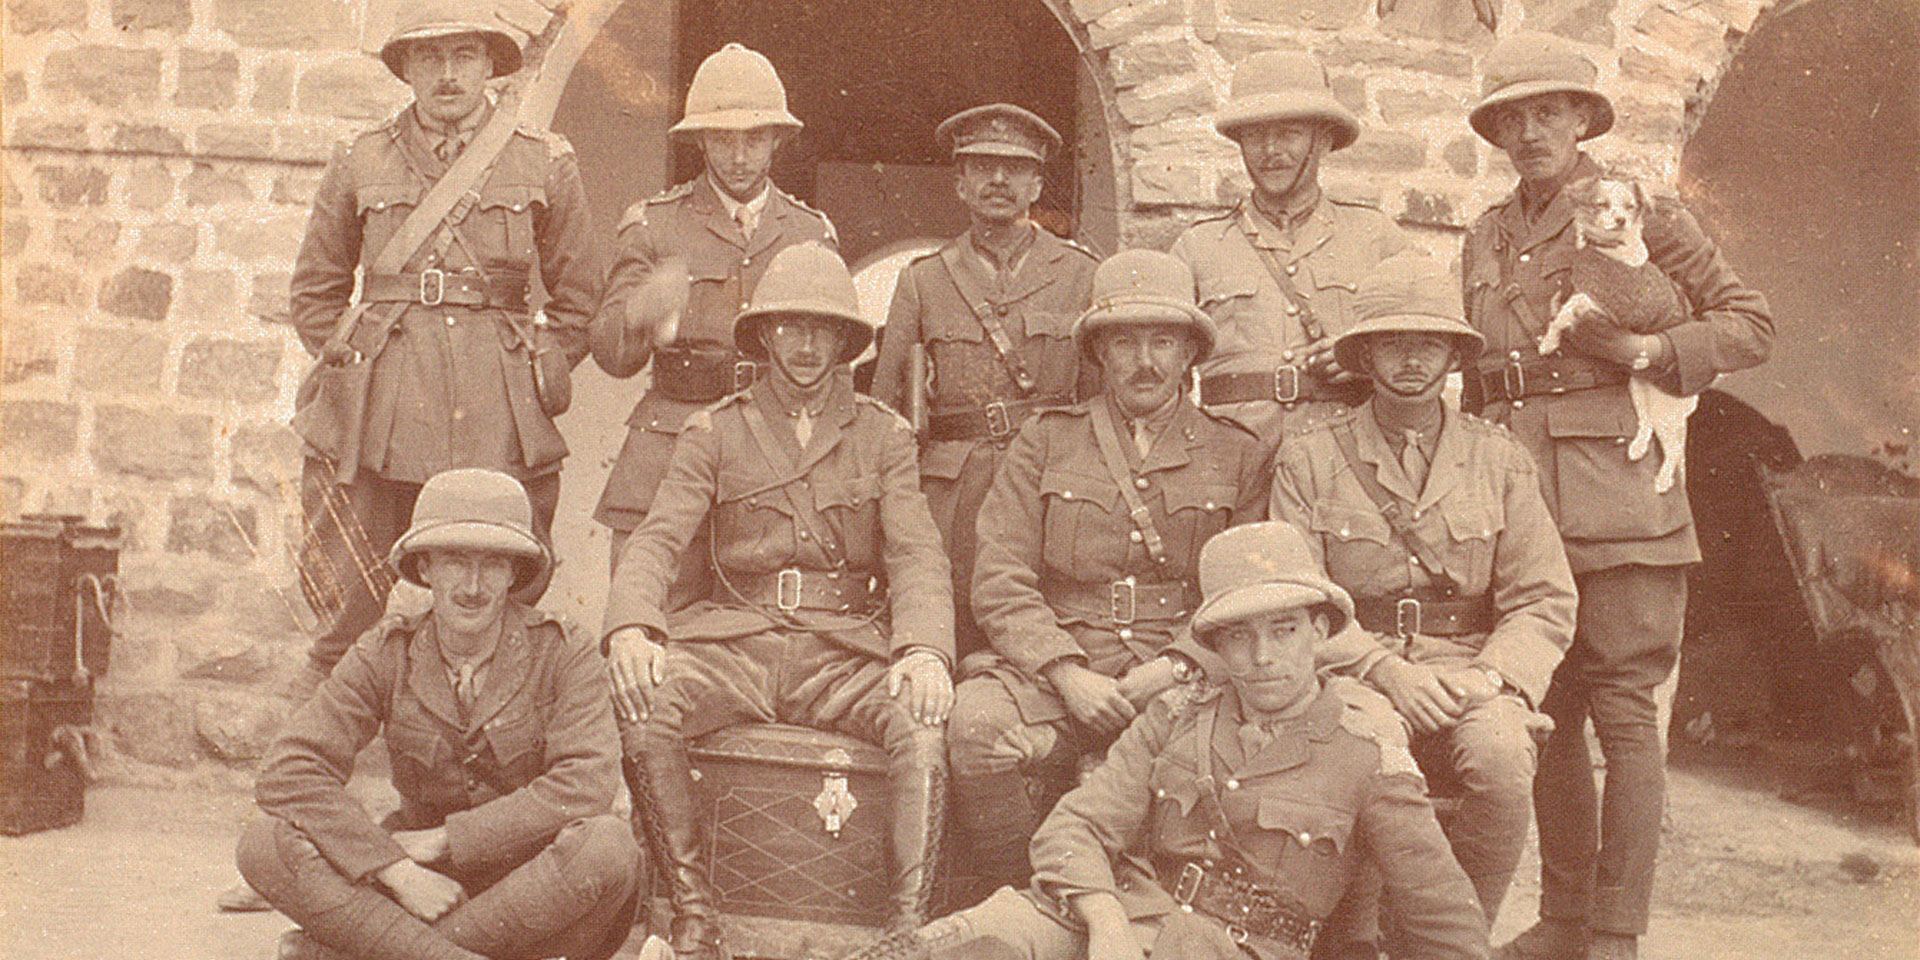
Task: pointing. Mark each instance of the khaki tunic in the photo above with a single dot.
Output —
(453, 386)
(1516, 276)
(723, 268)
(1480, 511)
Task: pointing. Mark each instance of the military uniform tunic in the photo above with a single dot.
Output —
(1334, 244)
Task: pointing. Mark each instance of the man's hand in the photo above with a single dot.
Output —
(1092, 698)
(1109, 935)
(929, 688)
(636, 664)
(1469, 685)
(419, 891)
(1147, 680)
(1596, 334)
(1322, 363)
(1416, 691)
(423, 846)
(660, 301)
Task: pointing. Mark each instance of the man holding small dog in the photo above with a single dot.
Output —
(1629, 545)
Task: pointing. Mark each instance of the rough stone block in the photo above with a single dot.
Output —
(161, 586)
(202, 525)
(207, 296)
(1090, 10)
(1402, 107)
(13, 89)
(1386, 150)
(267, 458)
(1132, 20)
(1189, 97)
(149, 187)
(295, 188)
(307, 142)
(251, 141)
(208, 79)
(1350, 90)
(1429, 209)
(32, 350)
(73, 186)
(1372, 54)
(138, 294)
(1637, 63)
(147, 138)
(104, 76)
(38, 16)
(1306, 14)
(236, 370)
(1238, 43)
(1161, 183)
(115, 360)
(152, 444)
(240, 728)
(1462, 156)
(43, 284)
(270, 296)
(169, 241)
(1588, 21)
(1135, 63)
(32, 132)
(271, 239)
(321, 24)
(1154, 229)
(38, 431)
(152, 14)
(207, 185)
(265, 606)
(356, 88)
(90, 242)
(1649, 122)
(1451, 21)
(273, 86)
(1693, 34)
(151, 726)
(73, 501)
(15, 231)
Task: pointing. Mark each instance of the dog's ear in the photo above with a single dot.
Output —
(1583, 189)
(1641, 200)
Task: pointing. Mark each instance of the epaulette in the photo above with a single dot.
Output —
(1477, 422)
(878, 404)
(1184, 700)
(557, 146)
(933, 254)
(1075, 245)
(637, 211)
(1369, 715)
(679, 191)
(1226, 214)
(389, 626)
(833, 236)
(1224, 420)
(1301, 426)
(1079, 409)
(1362, 202)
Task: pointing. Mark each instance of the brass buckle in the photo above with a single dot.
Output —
(1117, 590)
(439, 279)
(1237, 933)
(786, 590)
(1406, 616)
(999, 421)
(1513, 379)
(1286, 384)
(1188, 886)
(744, 373)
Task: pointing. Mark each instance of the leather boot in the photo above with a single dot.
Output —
(948, 938)
(1548, 939)
(663, 803)
(995, 818)
(919, 781)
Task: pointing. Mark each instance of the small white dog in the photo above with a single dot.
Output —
(1612, 277)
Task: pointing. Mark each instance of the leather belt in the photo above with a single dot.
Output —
(1517, 379)
(1121, 602)
(432, 288)
(998, 420)
(1288, 383)
(797, 588)
(1431, 615)
(695, 375)
(1245, 908)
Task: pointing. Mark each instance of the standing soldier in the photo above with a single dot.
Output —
(688, 261)
(1230, 821)
(1629, 546)
(447, 209)
(1089, 539)
(831, 606)
(1433, 521)
(1277, 273)
(994, 310)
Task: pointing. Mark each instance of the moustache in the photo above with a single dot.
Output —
(1147, 378)
(449, 90)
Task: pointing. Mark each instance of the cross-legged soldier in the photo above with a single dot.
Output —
(830, 604)
(994, 311)
(1088, 543)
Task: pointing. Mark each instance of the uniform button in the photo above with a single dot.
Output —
(1346, 531)
(805, 535)
(1134, 536)
(1306, 837)
(1066, 494)
(1140, 482)
(449, 320)
(1526, 257)
(1287, 355)
(1233, 784)
(1290, 269)
(1513, 355)
(1517, 404)
(1000, 310)
(1126, 633)
(1161, 793)
(1291, 309)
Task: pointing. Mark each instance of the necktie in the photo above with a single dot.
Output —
(463, 689)
(1254, 738)
(450, 146)
(1142, 438)
(743, 215)
(1413, 461)
(803, 427)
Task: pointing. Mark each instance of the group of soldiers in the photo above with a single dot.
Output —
(1218, 571)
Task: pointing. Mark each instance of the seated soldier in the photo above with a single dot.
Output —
(830, 606)
(1230, 820)
(504, 756)
(1433, 520)
(1089, 539)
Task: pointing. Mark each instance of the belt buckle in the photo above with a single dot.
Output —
(1286, 383)
(1237, 933)
(1406, 616)
(744, 373)
(1188, 886)
(1115, 591)
(786, 590)
(439, 278)
(999, 421)
(1513, 379)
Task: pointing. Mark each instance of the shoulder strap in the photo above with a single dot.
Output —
(1309, 323)
(1116, 461)
(802, 512)
(990, 321)
(1390, 509)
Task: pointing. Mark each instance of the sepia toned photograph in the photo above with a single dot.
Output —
(960, 479)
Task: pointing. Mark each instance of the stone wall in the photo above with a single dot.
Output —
(159, 156)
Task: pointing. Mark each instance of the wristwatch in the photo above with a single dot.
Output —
(1493, 676)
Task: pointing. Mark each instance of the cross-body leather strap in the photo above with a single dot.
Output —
(1395, 514)
(1116, 461)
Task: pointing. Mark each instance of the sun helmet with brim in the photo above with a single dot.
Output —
(1259, 569)
(1407, 293)
(804, 280)
(429, 19)
(736, 89)
(472, 509)
(1284, 85)
(1143, 287)
(1532, 64)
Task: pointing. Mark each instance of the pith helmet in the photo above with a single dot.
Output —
(806, 280)
(998, 130)
(428, 19)
(1139, 287)
(1263, 568)
(1407, 293)
(1530, 64)
(1285, 85)
(472, 509)
(735, 89)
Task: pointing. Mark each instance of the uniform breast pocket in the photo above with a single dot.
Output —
(1176, 788)
(1224, 295)
(1197, 511)
(1603, 495)
(519, 744)
(506, 214)
(1357, 542)
(755, 531)
(1080, 523)
(1048, 324)
(1473, 528)
(850, 502)
(417, 751)
(1305, 839)
(382, 207)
